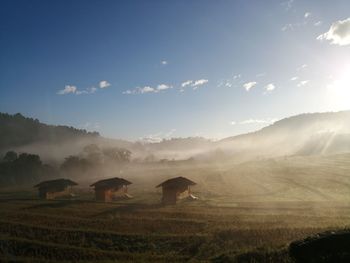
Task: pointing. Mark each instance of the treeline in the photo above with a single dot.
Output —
(94, 159)
(25, 168)
(17, 130)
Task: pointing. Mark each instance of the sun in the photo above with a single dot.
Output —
(339, 90)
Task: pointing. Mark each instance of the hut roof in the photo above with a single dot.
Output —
(56, 183)
(111, 183)
(176, 182)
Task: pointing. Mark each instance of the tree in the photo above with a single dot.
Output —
(10, 156)
(29, 160)
(117, 155)
(93, 153)
(70, 162)
(75, 166)
(91, 149)
(27, 168)
(23, 169)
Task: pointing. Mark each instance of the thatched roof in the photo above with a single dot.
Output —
(56, 183)
(176, 182)
(111, 183)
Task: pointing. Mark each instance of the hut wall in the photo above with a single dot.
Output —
(42, 193)
(183, 194)
(104, 195)
(108, 195)
(117, 193)
(50, 195)
(171, 195)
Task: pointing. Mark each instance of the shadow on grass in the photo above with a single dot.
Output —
(56, 204)
(128, 208)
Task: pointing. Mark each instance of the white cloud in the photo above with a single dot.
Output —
(164, 62)
(141, 90)
(86, 91)
(67, 89)
(294, 26)
(270, 87)
(302, 67)
(238, 76)
(303, 83)
(163, 87)
(129, 92)
(93, 90)
(147, 89)
(307, 14)
(255, 121)
(287, 27)
(186, 83)
(229, 83)
(104, 84)
(318, 23)
(294, 78)
(91, 126)
(249, 85)
(158, 137)
(338, 33)
(223, 83)
(198, 83)
(70, 89)
(193, 83)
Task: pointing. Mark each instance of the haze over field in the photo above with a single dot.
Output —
(311, 134)
(262, 165)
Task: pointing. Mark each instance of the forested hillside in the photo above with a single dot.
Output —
(17, 130)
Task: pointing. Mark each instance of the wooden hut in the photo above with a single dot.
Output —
(108, 190)
(55, 188)
(175, 188)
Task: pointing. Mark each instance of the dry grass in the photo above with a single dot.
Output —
(89, 231)
(246, 213)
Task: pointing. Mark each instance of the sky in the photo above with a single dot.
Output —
(153, 69)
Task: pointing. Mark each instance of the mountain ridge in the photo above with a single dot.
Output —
(307, 133)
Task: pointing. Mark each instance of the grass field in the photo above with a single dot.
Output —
(246, 213)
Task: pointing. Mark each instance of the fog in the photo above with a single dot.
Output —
(278, 161)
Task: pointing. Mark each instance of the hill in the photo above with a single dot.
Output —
(17, 130)
(305, 134)
(51, 142)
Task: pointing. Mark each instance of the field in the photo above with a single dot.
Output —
(246, 213)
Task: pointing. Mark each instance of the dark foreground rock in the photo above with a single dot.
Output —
(330, 246)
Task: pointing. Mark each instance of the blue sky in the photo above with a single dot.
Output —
(159, 69)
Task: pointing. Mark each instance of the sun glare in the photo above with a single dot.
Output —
(339, 90)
